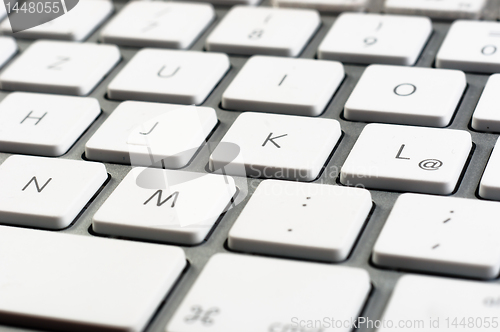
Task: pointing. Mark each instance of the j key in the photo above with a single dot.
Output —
(151, 134)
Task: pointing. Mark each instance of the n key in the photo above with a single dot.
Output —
(46, 193)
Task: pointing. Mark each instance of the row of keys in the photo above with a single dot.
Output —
(155, 204)
(217, 299)
(403, 95)
(177, 25)
(188, 77)
(128, 289)
(263, 145)
(257, 144)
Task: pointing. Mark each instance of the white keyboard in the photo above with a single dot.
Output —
(251, 166)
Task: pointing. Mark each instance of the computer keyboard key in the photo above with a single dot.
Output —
(471, 46)
(76, 25)
(57, 281)
(442, 304)
(46, 125)
(301, 220)
(405, 158)
(449, 235)
(8, 48)
(279, 295)
(374, 38)
(163, 205)
(444, 9)
(158, 24)
(489, 187)
(167, 76)
(324, 5)
(46, 193)
(406, 95)
(60, 67)
(486, 116)
(283, 85)
(276, 146)
(151, 134)
(263, 30)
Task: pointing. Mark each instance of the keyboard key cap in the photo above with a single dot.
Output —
(60, 67)
(451, 303)
(444, 9)
(151, 134)
(261, 30)
(45, 192)
(80, 283)
(278, 293)
(375, 38)
(45, 125)
(405, 158)
(158, 24)
(406, 95)
(324, 5)
(179, 77)
(295, 219)
(489, 187)
(450, 235)
(282, 85)
(77, 24)
(160, 205)
(8, 47)
(471, 46)
(276, 146)
(486, 116)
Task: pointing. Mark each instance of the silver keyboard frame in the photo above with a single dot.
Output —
(383, 280)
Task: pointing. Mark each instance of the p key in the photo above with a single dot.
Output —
(46, 193)
(404, 158)
(471, 46)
